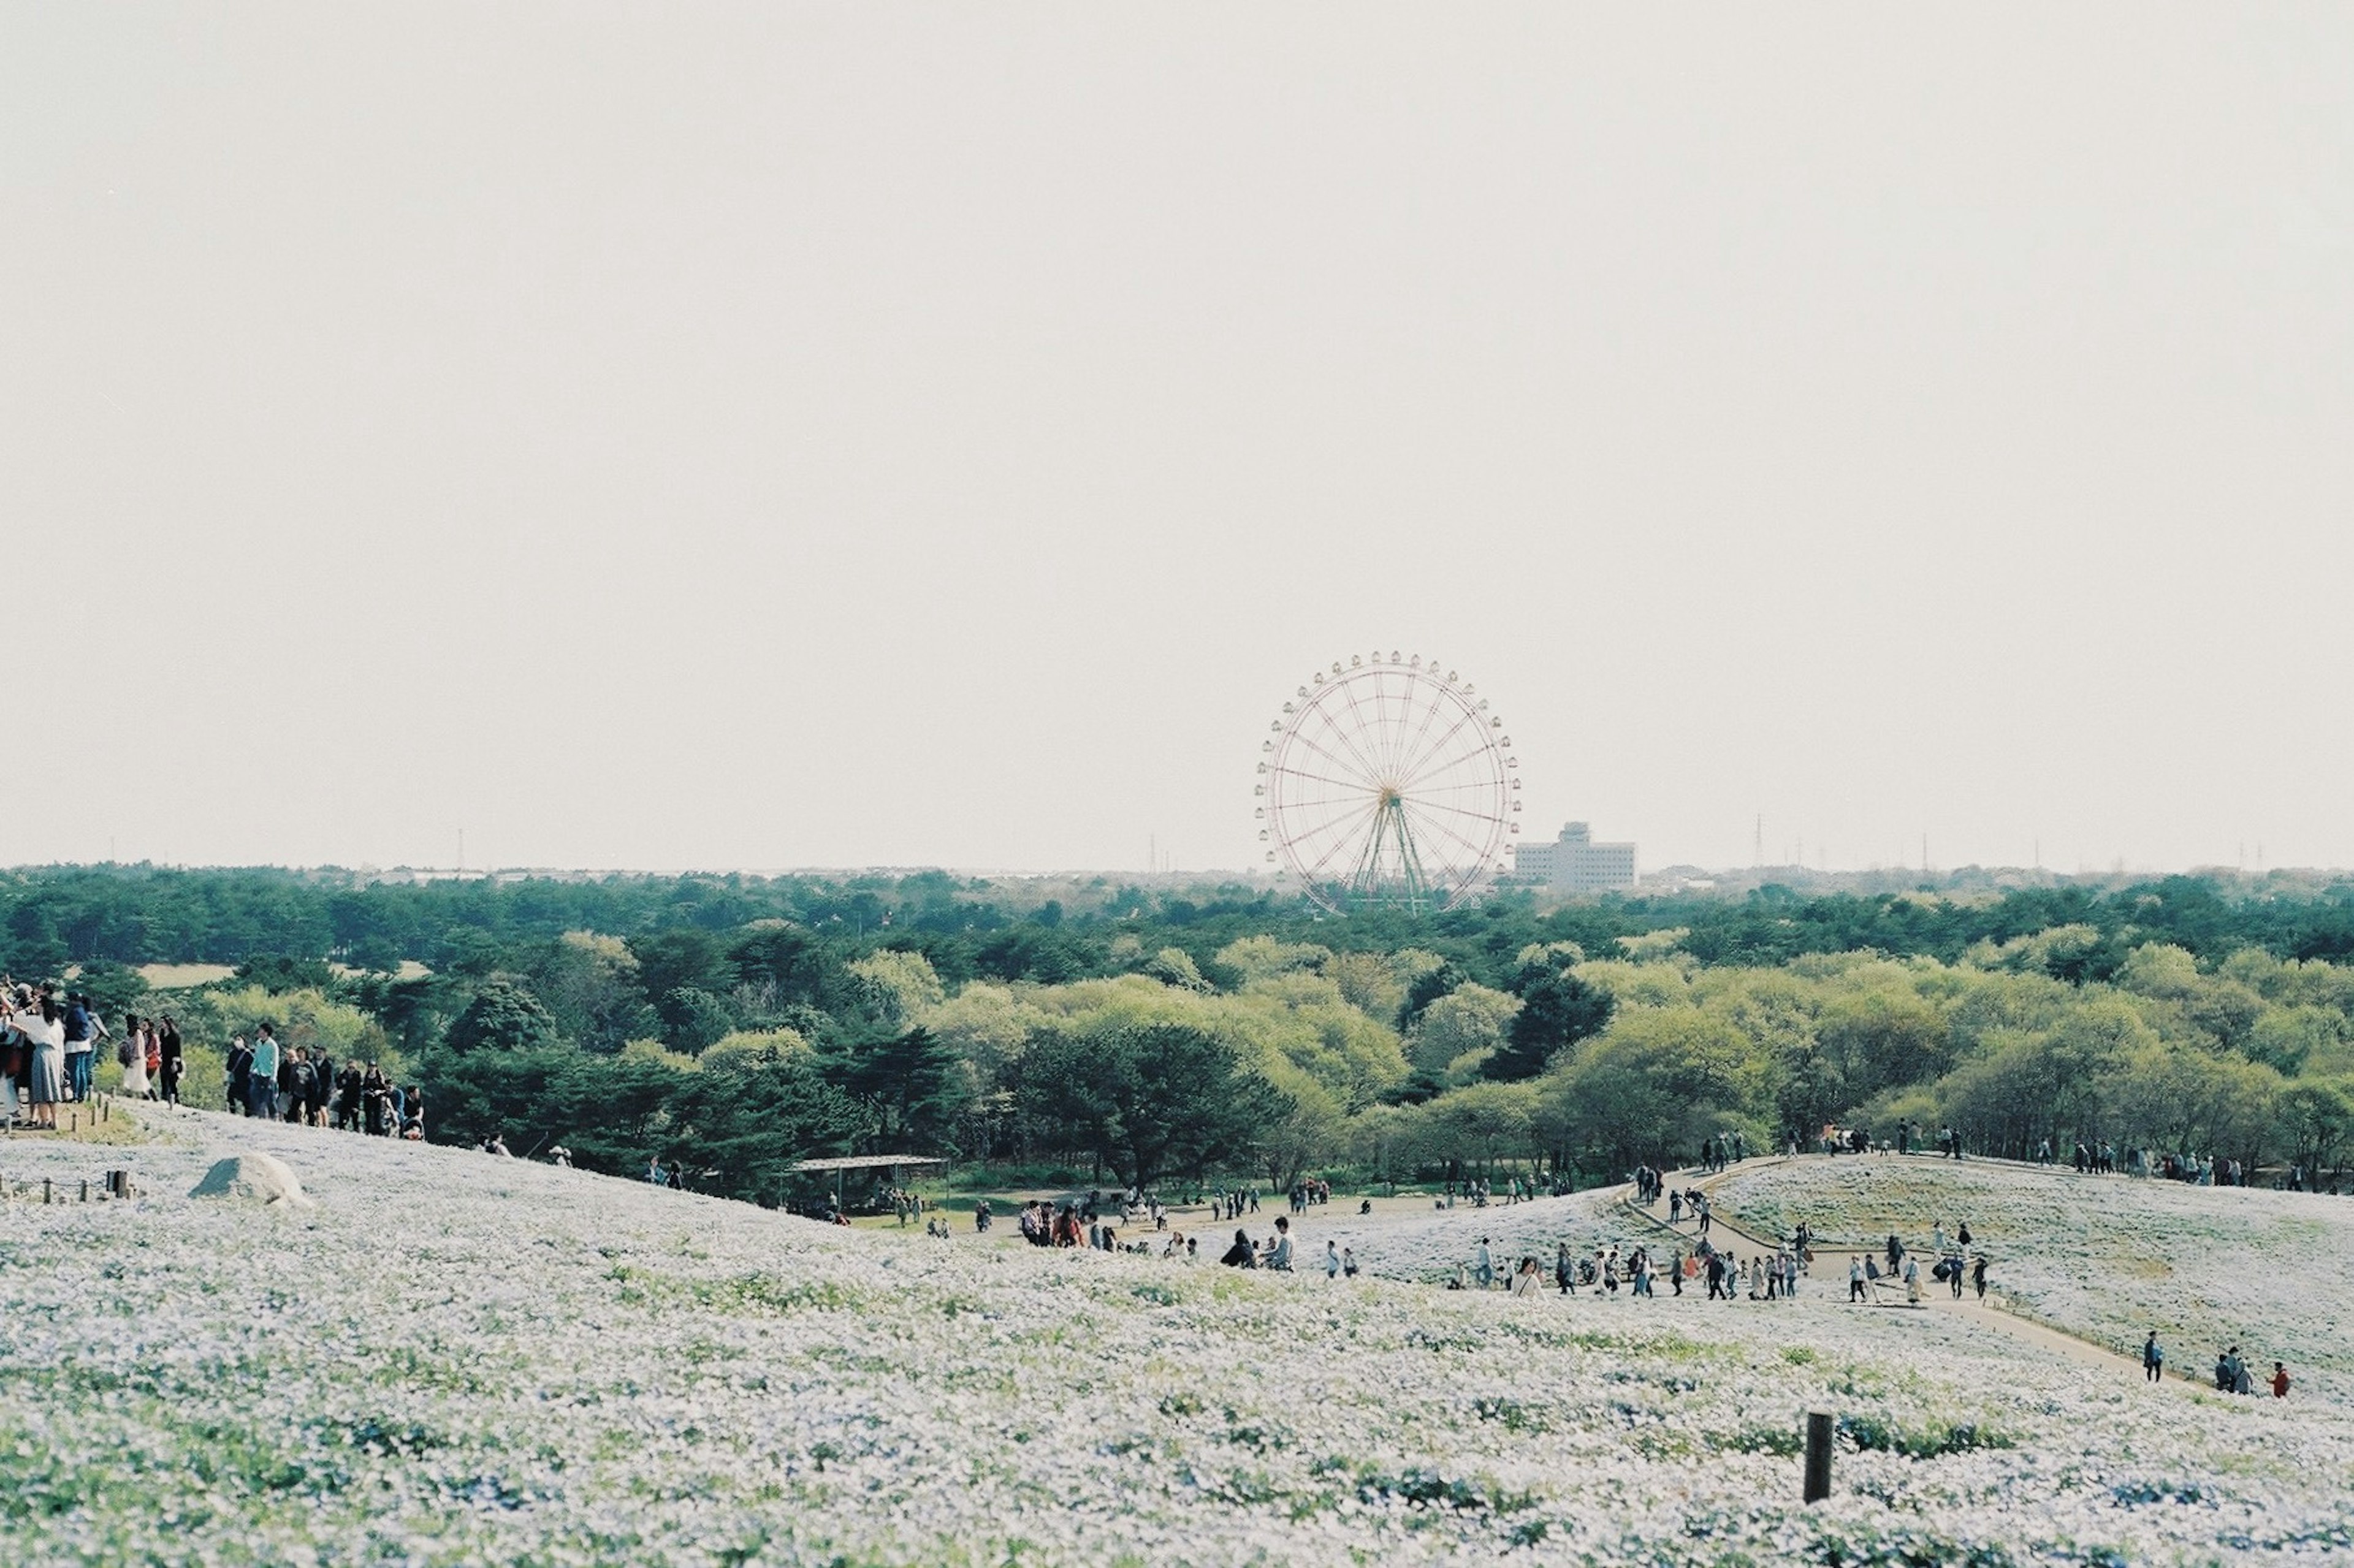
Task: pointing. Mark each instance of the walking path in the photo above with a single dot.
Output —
(2070, 1346)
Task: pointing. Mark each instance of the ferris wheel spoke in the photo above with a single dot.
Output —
(1372, 732)
(1481, 745)
(1410, 748)
(1282, 772)
(1317, 822)
(1365, 781)
(1399, 735)
(1455, 821)
(1479, 854)
(1305, 795)
(1349, 824)
(1419, 766)
(1352, 737)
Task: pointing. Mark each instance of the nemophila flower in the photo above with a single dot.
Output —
(458, 1359)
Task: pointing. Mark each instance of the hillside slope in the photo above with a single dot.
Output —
(2106, 1257)
(457, 1359)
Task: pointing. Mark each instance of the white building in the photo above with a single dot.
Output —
(1576, 864)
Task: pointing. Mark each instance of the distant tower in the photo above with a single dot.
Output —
(1758, 846)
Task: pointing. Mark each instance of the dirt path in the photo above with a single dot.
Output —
(1727, 1233)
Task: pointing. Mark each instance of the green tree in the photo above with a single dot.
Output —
(1149, 1100)
(502, 1016)
(2318, 1117)
(1557, 1010)
(904, 1081)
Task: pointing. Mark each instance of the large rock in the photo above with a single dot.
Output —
(262, 1179)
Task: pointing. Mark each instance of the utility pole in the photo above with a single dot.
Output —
(1757, 848)
(1925, 854)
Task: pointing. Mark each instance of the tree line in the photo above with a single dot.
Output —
(1107, 1031)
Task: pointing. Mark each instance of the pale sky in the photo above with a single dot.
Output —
(781, 435)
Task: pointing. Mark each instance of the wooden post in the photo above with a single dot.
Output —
(85, 1188)
(1819, 1455)
(45, 1190)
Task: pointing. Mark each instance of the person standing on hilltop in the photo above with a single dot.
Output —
(262, 1076)
(82, 1039)
(131, 1057)
(173, 1058)
(2280, 1381)
(2153, 1357)
(42, 1025)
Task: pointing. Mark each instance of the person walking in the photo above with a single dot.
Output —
(131, 1057)
(2280, 1381)
(172, 1055)
(1855, 1291)
(1332, 1259)
(1977, 1275)
(2153, 1357)
(1564, 1272)
(1483, 1266)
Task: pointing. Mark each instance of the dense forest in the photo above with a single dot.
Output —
(1106, 1031)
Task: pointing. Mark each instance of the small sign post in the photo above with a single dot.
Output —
(1819, 1455)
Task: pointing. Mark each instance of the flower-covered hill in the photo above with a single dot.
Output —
(457, 1359)
(2109, 1258)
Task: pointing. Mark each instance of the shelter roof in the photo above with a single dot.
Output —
(868, 1161)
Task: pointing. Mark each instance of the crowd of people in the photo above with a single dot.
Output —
(49, 1044)
(49, 1053)
(2231, 1372)
(269, 1080)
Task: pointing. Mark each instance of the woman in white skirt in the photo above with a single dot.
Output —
(133, 1055)
(43, 1025)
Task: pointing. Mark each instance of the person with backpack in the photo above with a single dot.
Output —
(2153, 1357)
(349, 1091)
(298, 1081)
(322, 1089)
(239, 1076)
(82, 1033)
(290, 1100)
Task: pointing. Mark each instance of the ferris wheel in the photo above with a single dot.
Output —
(1388, 781)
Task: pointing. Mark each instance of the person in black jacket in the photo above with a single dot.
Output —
(168, 1045)
(240, 1077)
(1241, 1254)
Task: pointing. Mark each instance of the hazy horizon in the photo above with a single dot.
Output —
(808, 436)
